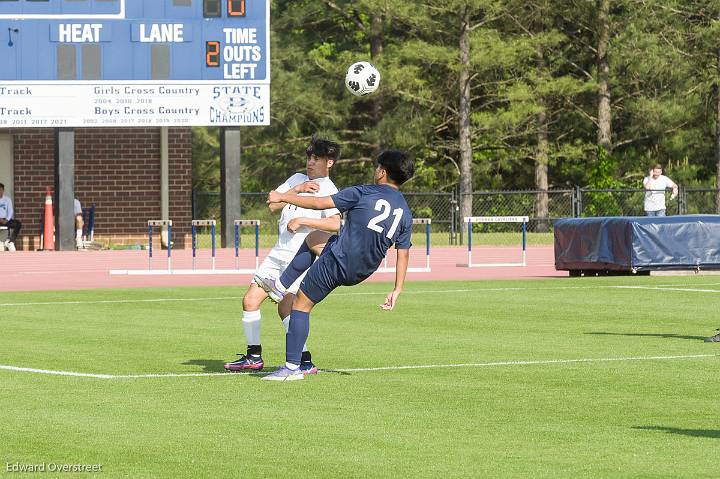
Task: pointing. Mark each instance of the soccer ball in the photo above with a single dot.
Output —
(362, 79)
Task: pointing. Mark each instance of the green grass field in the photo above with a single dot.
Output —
(609, 416)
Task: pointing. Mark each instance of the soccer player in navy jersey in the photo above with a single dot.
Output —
(376, 217)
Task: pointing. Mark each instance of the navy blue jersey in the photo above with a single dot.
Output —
(376, 217)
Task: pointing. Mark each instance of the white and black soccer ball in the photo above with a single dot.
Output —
(362, 79)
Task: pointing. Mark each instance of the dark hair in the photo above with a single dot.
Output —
(657, 165)
(323, 148)
(2, 186)
(399, 166)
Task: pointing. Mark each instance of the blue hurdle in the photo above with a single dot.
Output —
(496, 219)
(195, 225)
(160, 224)
(391, 269)
(242, 223)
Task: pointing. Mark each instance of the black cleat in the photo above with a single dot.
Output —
(245, 363)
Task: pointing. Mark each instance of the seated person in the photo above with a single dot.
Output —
(6, 219)
(78, 223)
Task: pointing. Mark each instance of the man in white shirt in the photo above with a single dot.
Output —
(294, 225)
(6, 219)
(655, 185)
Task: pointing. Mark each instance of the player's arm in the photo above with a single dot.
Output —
(307, 187)
(331, 224)
(308, 202)
(674, 190)
(403, 257)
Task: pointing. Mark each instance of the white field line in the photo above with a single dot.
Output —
(660, 287)
(352, 370)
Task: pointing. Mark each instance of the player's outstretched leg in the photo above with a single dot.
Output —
(313, 246)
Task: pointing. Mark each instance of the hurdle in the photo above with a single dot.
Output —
(159, 223)
(213, 267)
(195, 224)
(238, 225)
(391, 269)
(470, 220)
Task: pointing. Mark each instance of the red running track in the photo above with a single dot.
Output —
(39, 271)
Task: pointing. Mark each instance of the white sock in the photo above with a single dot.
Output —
(251, 327)
(286, 325)
(78, 234)
(292, 367)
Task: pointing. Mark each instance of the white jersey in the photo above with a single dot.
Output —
(289, 243)
(655, 200)
(77, 207)
(6, 208)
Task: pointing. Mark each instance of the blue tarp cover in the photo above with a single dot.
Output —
(638, 243)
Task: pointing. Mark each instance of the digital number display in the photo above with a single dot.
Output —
(236, 8)
(211, 8)
(212, 54)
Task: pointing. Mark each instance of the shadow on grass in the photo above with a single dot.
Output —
(653, 335)
(216, 366)
(208, 365)
(711, 433)
(335, 371)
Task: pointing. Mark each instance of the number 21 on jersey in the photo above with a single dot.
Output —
(384, 208)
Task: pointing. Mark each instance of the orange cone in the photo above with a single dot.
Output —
(49, 227)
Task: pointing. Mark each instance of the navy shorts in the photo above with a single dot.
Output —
(323, 276)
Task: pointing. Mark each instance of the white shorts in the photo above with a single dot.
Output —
(272, 268)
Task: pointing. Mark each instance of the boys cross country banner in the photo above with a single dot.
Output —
(134, 62)
(169, 104)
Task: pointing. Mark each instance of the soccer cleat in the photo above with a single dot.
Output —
(245, 363)
(285, 374)
(268, 285)
(10, 245)
(714, 339)
(307, 367)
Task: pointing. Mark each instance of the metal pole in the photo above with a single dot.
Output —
(194, 245)
(169, 245)
(237, 246)
(427, 246)
(149, 246)
(257, 245)
(524, 241)
(469, 242)
(213, 245)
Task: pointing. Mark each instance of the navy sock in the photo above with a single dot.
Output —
(296, 336)
(300, 263)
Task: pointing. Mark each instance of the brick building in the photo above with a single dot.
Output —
(117, 169)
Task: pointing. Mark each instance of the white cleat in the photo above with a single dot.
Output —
(269, 286)
(285, 374)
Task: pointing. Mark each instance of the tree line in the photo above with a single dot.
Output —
(492, 94)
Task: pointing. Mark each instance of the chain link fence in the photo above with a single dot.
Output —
(695, 201)
(542, 208)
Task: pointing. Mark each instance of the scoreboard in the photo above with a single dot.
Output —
(82, 63)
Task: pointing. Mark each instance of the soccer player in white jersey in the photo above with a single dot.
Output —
(294, 226)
